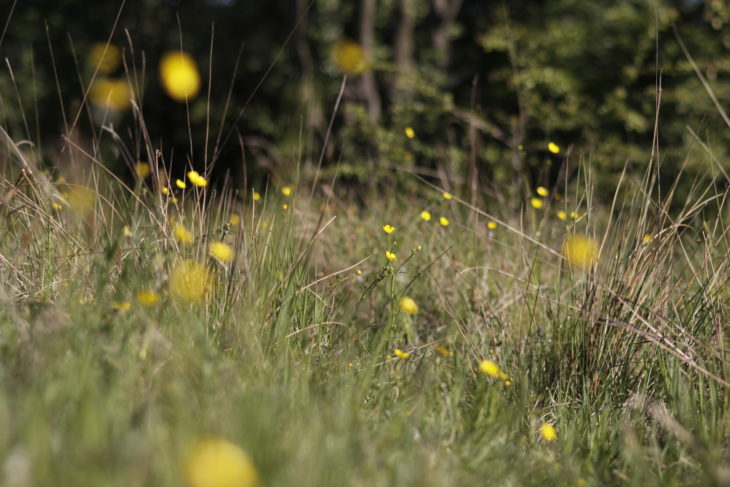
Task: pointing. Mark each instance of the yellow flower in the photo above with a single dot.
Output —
(388, 229)
(390, 255)
(164, 190)
(401, 354)
(56, 205)
(142, 170)
(443, 351)
(349, 56)
(536, 203)
(148, 298)
(580, 250)
(489, 368)
(122, 306)
(408, 305)
(215, 462)
(553, 147)
(173, 200)
(548, 432)
(179, 75)
(492, 225)
(426, 215)
(190, 281)
(287, 190)
(197, 179)
(574, 215)
(221, 251)
(180, 184)
(110, 94)
(127, 232)
(561, 215)
(647, 238)
(182, 234)
(542, 191)
(410, 133)
(444, 221)
(234, 219)
(256, 196)
(104, 57)
(447, 196)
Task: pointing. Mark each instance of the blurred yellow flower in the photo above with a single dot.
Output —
(561, 215)
(390, 255)
(182, 234)
(122, 306)
(164, 190)
(104, 57)
(447, 196)
(444, 221)
(221, 251)
(425, 215)
(110, 94)
(401, 354)
(256, 196)
(647, 238)
(81, 199)
(142, 170)
(56, 205)
(215, 462)
(574, 215)
(388, 229)
(580, 250)
(179, 75)
(443, 351)
(190, 281)
(197, 179)
(542, 191)
(180, 184)
(234, 219)
(287, 190)
(553, 147)
(148, 298)
(410, 133)
(284, 207)
(492, 225)
(349, 57)
(536, 203)
(489, 368)
(408, 305)
(548, 432)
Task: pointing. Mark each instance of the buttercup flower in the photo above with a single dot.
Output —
(536, 203)
(197, 179)
(408, 305)
(410, 133)
(388, 229)
(349, 56)
(190, 281)
(492, 225)
(179, 75)
(553, 147)
(580, 251)
(148, 298)
(425, 215)
(444, 221)
(401, 354)
(542, 191)
(215, 462)
(548, 432)
(221, 251)
(142, 170)
(390, 255)
(182, 234)
(489, 368)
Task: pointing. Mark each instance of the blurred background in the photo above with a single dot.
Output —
(503, 93)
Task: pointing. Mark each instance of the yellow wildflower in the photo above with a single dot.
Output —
(221, 251)
(647, 238)
(444, 221)
(443, 351)
(492, 225)
(542, 191)
(173, 200)
(110, 94)
(548, 432)
(447, 196)
(408, 305)
(580, 250)
(256, 196)
(574, 215)
(182, 234)
(190, 281)
(180, 184)
(197, 179)
(142, 170)
(165, 191)
(234, 219)
(426, 216)
(388, 229)
(553, 147)
(287, 190)
(148, 298)
(215, 462)
(536, 203)
(410, 133)
(122, 306)
(401, 354)
(349, 56)
(56, 205)
(561, 215)
(489, 368)
(179, 75)
(390, 255)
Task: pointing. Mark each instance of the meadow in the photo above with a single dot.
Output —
(165, 327)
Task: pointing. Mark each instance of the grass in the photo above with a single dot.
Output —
(290, 354)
